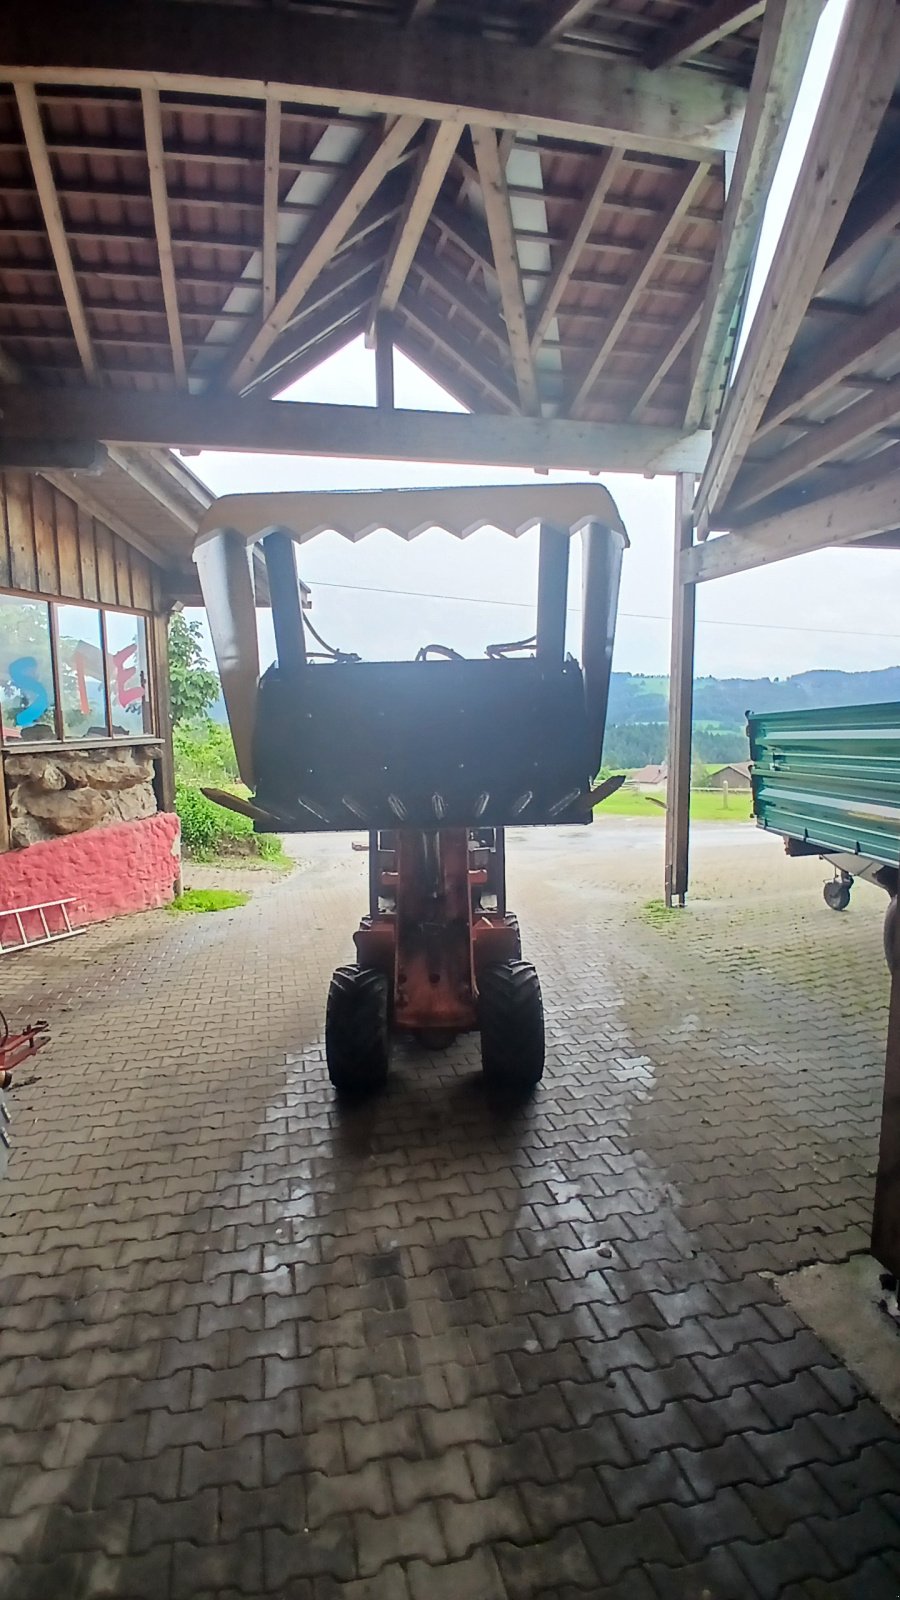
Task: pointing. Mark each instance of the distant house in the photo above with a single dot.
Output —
(737, 776)
(651, 777)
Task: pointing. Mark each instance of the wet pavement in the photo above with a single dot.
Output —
(257, 1345)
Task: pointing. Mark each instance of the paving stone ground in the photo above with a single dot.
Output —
(256, 1345)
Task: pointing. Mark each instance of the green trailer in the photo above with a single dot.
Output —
(828, 781)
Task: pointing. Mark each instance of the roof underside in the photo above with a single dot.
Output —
(833, 420)
(214, 242)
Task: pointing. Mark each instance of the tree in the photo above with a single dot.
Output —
(192, 686)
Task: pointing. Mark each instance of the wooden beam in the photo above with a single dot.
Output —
(874, 213)
(319, 241)
(33, 130)
(826, 440)
(506, 264)
(384, 362)
(842, 519)
(224, 422)
(784, 47)
(271, 181)
(702, 27)
(862, 79)
(75, 487)
(553, 18)
(679, 200)
(430, 170)
(159, 200)
(360, 66)
(606, 168)
(660, 366)
(846, 352)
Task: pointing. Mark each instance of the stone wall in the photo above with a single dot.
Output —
(64, 792)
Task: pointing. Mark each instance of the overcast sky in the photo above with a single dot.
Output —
(831, 609)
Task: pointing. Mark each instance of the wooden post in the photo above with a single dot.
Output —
(681, 701)
(384, 362)
(159, 631)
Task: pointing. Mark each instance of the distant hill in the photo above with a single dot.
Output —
(637, 721)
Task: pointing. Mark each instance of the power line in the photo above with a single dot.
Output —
(633, 616)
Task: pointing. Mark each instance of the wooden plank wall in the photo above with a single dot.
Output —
(50, 546)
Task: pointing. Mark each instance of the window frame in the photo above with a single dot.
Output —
(59, 741)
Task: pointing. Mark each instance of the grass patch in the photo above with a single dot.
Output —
(707, 805)
(657, 913)
(209, 900)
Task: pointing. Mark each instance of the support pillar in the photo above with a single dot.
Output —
(384, 362)
(681, 701)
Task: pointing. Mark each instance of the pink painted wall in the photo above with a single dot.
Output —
(128, 866)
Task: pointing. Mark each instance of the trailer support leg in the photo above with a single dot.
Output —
(681, 702)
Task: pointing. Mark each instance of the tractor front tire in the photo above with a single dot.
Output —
(357, 1041)
(511, 1020)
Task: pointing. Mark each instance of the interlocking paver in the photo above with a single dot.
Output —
(254, 1344)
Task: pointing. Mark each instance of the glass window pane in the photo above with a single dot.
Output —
(126, 661)
(27, 699)
(81, 687)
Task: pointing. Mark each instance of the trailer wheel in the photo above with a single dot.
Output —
(357, 1043)
(511, 1020)
(836, 894)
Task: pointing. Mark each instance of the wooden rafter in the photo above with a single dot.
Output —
(784, 48)
(553, 18)
(684, 192)
(863, 77)
(312, 355)
(661, 366)
(843, 518)
(702, 27)
(319, 241)
(159, 200)
(850, 428)
(606, 167)
(33, 130)
(506, 264)
(226, 422)
(463, 296)
(271, 177)
(491, 380)
(428, 175)
(335, 311)
(359, 66)
(451, 378)
(874, 213)
(801, 387)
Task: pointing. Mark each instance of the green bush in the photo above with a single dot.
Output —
(209, 831)
(204, 753)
